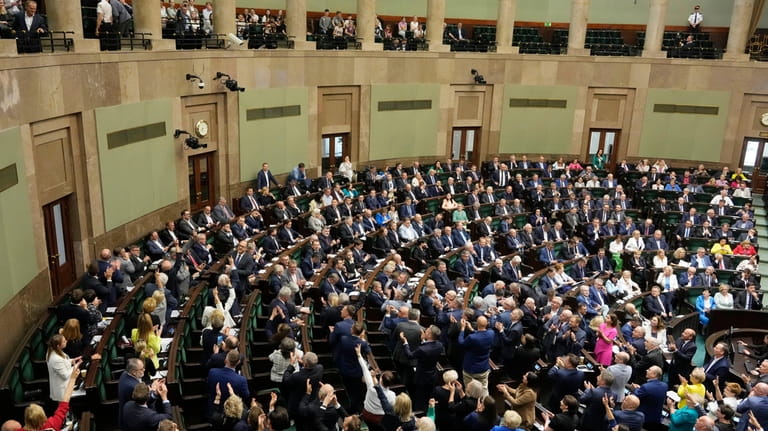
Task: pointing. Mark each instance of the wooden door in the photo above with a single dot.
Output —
(202, 181)
(334, 148)
(58, 241)
(606, 140)
(754, 160)
(465, 144)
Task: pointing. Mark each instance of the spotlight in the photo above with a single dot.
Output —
(191, 142)
(200, 83)
(479, 79)
(230, 83)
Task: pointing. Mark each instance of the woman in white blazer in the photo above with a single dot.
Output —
(59, 367)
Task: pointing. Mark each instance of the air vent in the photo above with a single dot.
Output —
(685, 109)
(537, 103)
(9, 177)
(404, 105)
(272, 112)
(135, 134)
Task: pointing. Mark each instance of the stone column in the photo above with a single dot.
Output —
(224, 17)
(146, 19)
(66, 16)
(577, 30)
(435, 20)
(296, 23)
(654, 30)
(505, 24)
(366, 23)
(737, 36)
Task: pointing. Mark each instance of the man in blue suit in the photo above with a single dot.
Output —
(134, 372)
(567, 379)
(465, 266)
(592, 398)
(652, 395)
(248, 202)
(718, 366)
(265, 177)
(224, 376)
(137, 416)
(757, 404)
(657, 304)
(700, 259)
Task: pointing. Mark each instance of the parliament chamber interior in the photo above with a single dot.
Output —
(383, 215)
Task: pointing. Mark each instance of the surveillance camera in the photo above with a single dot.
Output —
(234, 39)
(201, 85)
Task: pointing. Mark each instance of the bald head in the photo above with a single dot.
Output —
(10, 425)
(482, 323)
(631, 402)
(760, 389)
(704, 423)
(654, 372)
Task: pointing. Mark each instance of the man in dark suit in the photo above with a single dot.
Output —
(224, 241)
(717, 367)
(243, 266)
(295, 382)
(652, 395)
(426, 355)
(154, 247)
(594, 410)
(749, 299)
(132, 376)
(601, 264)
(224, 376)
(567, 379)
(186, 228)
(265, 177)
(248, 202)
(90, 280)
(684, 349)
(76, 308)
(653, 357)
(409, 331)
(29, 27)
(138, 417)
(657, 304)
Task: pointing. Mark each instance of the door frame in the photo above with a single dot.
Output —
(62, 276)
(462, 147)
(346, 149)
(212, 179)
(613, 158)
(757, 175)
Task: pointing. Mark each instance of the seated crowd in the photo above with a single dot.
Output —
(447, 296)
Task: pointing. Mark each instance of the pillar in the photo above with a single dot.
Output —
(366, 24)
(505, 24)
(67, 16)
(146, 19)
(654, 30)
(224, 17)
(435, 20)
(737, 36)
(296, 23)
(577, 30)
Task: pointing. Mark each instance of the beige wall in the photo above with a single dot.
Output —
(88, 86)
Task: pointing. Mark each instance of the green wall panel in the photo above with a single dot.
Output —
(18, 261)
(684, 136)
(140, 177)
(537, 130)
(407, 133)
(279, 141)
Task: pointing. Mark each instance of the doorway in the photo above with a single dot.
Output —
(202, 181)
(606, 140)
(334, 148)
(754, 161)
(465, 144)
(58, 241)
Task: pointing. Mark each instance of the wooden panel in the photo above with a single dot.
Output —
(194, 112)
(272, 112)
(608, 109)
(685, 109)
(53, 164)
(336, 112)
(538, 103)
(469, 106)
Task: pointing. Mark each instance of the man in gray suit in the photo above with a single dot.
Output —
(222, 213)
